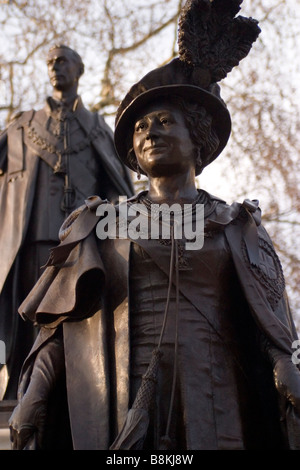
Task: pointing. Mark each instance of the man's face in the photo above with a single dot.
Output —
(63, 71)
(162, 142)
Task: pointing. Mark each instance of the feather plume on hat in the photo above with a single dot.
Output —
(211, 39)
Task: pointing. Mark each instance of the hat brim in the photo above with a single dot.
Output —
(220, 116)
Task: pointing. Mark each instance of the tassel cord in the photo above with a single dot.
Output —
(176, 338)
(171, 270)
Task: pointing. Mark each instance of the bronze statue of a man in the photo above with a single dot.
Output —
(51, 160)
(176, 349)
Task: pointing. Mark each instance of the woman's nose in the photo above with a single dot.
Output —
(152, 130)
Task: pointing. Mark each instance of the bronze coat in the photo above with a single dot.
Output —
(23, 145)
(103, 405)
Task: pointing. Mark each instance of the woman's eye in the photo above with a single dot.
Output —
(140, 126)
(166, 120)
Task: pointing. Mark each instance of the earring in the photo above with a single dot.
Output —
(198, 158)
(133, 162)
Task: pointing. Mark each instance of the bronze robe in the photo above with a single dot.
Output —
(239, 404)
(32, 199)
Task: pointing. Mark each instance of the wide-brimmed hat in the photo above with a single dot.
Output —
(131, 107)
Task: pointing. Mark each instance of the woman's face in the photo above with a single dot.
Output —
(162, 142)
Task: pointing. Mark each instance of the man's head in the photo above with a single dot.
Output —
(65, 67)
